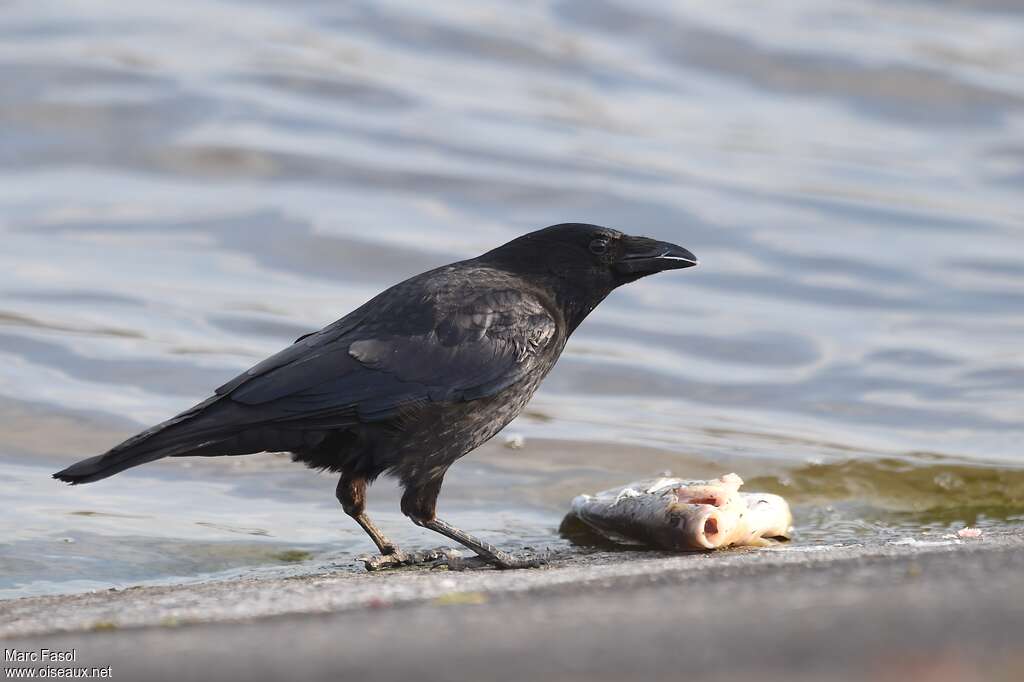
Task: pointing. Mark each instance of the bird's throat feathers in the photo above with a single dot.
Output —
(577, 305)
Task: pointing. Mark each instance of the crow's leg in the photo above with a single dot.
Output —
(351, 493)
(419, 504)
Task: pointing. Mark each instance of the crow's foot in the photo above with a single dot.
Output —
(398, 558)
(528, 559)
(451, 559)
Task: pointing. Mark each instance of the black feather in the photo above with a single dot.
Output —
(417, 376)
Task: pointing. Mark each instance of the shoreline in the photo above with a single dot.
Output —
(944, 610)
(335, 587)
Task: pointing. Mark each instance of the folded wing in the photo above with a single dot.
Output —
(370, 372)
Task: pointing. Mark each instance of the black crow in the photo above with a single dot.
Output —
(414, 378)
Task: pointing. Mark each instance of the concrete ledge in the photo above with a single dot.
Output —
(795, 612)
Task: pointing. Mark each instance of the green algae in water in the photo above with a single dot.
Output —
(855, 499)
(292, 556)
(903, 485)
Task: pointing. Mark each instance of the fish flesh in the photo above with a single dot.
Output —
(678, 514)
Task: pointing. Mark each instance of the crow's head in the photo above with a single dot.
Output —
(590, 253)
(583, 263)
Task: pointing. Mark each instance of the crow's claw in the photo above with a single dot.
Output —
(398, 559)
(506, 561)
(452, 560)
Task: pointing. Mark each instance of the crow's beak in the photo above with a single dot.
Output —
(647, 256)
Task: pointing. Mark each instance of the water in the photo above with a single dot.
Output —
(186, 187)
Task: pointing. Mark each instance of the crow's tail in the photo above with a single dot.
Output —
(191, 432)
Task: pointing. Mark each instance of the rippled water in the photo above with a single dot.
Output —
(186, 187)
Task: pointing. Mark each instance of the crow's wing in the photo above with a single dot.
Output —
(370, 369)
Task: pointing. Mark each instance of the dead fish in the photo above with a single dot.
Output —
(677, 514)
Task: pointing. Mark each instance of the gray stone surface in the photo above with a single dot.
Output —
(946, 610)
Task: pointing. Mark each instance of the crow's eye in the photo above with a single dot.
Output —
(599, 246)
